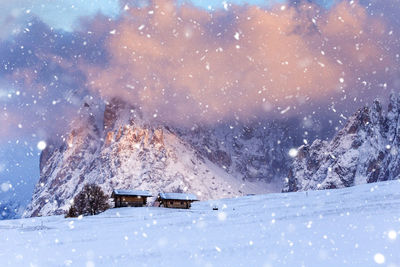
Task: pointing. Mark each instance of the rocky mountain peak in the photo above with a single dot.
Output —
(392, 123)
(118, 112)
(364, 151)
(111, 112)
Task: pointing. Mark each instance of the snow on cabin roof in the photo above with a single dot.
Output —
(178, 196)
(120, 192)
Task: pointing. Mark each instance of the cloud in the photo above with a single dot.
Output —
(41, 86)
(185, 65)
(182, 64)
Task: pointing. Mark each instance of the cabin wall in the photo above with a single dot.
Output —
(177, 204)
(130, 201)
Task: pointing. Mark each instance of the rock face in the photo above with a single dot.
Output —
(364, 151)
(125, 152)
(253, 152)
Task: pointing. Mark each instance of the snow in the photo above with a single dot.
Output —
(177, 196)
(132, 193)
(5, 186)
(354, 226)
(41, 145)
(293, 152)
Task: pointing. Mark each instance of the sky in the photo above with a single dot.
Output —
(214, 61)
(71, 10)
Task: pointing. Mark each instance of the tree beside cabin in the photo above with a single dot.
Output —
(90, 201)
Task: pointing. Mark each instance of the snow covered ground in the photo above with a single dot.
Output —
(358, 226)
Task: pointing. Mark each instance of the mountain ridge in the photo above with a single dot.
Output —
(131, 153)
(364, 151)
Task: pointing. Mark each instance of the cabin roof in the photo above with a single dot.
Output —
(121, 192)
(177, 196)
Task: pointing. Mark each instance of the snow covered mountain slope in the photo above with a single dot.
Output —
(253, 152)
(132, 154)
(357, 226)
(364, 151)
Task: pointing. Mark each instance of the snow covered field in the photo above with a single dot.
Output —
(357, 226)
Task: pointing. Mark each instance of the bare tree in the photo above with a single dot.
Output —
(90, 201)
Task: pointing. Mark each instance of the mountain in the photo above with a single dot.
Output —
(124, 150)
(364, 151)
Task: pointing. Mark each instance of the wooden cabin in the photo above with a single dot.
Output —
(130, 198)
(176, 200)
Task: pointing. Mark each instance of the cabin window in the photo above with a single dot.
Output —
(171, 202)
(181, 202)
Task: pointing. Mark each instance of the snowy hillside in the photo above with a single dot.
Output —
(357, 226)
